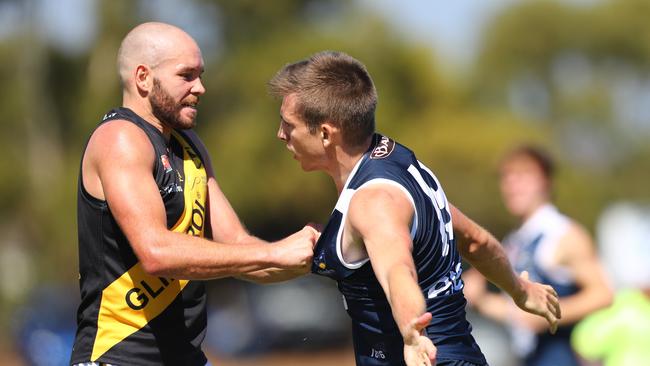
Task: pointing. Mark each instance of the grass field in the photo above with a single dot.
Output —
(338, 357)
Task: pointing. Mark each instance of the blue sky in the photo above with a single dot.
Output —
(450, 27)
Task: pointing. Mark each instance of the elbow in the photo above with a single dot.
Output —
(152, 259)
(154, 268)
(477, 242)
(473, 249)
(153, 265)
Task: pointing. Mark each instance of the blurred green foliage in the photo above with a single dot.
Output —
(521, 89)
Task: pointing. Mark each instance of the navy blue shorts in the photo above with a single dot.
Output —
(374, 349)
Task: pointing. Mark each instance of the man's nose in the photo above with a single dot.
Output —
(281, 135)
(198, 87)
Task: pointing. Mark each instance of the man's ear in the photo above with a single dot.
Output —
(329, 133)
(143, 79)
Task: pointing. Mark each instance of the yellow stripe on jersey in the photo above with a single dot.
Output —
(129, 303)
(195, 188)
(135, 298)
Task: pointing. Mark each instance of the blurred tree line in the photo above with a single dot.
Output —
(573, 78)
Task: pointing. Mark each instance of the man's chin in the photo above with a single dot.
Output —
(307, 168)
(185, 124)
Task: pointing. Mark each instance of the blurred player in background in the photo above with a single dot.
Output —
(389, 241)
(552, 249)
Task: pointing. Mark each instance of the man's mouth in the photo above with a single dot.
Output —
(191, 103)
(293, 153)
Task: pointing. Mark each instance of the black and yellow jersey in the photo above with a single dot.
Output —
(126, 316)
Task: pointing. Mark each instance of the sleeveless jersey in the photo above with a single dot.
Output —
(126, 316)
(376, 336)
(532, 248)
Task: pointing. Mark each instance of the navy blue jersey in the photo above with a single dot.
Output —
(376, 336)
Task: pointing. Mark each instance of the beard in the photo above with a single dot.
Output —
(167, 110)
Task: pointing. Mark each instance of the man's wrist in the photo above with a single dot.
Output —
(518, 292)
(410, 336)
(270, 257)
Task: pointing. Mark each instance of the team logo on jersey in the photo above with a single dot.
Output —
(384, 147)
(320, 267)
(165, 163)
(319, 261)
(109, 115)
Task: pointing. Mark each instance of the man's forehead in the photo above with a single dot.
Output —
(520, 163)
(178, 49)
(289, 101)
(197, 66)
(183, 61)
(288, 108)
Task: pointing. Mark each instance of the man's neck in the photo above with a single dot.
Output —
(143, 110)
(533, 211)
(345, 159)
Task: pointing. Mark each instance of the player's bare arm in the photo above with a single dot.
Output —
(485, 253)
(577, 252)
(226, 227)
(118, 168)
(380, 216)
(221, 212)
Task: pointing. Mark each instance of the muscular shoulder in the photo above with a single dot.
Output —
(117, 141)
(380, 202)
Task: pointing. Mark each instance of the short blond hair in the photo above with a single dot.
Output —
(331, 87)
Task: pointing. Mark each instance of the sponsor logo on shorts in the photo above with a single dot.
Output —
(378, 351)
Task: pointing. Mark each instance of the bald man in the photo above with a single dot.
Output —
(152, 220)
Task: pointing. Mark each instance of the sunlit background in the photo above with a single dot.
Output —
(460, 82)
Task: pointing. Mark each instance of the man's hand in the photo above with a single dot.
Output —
(418, 348)
(295, 252)
(539, 299)
(316, 226)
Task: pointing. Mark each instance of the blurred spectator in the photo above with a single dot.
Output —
(44, 327)
(553, 249)
(620, 335)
